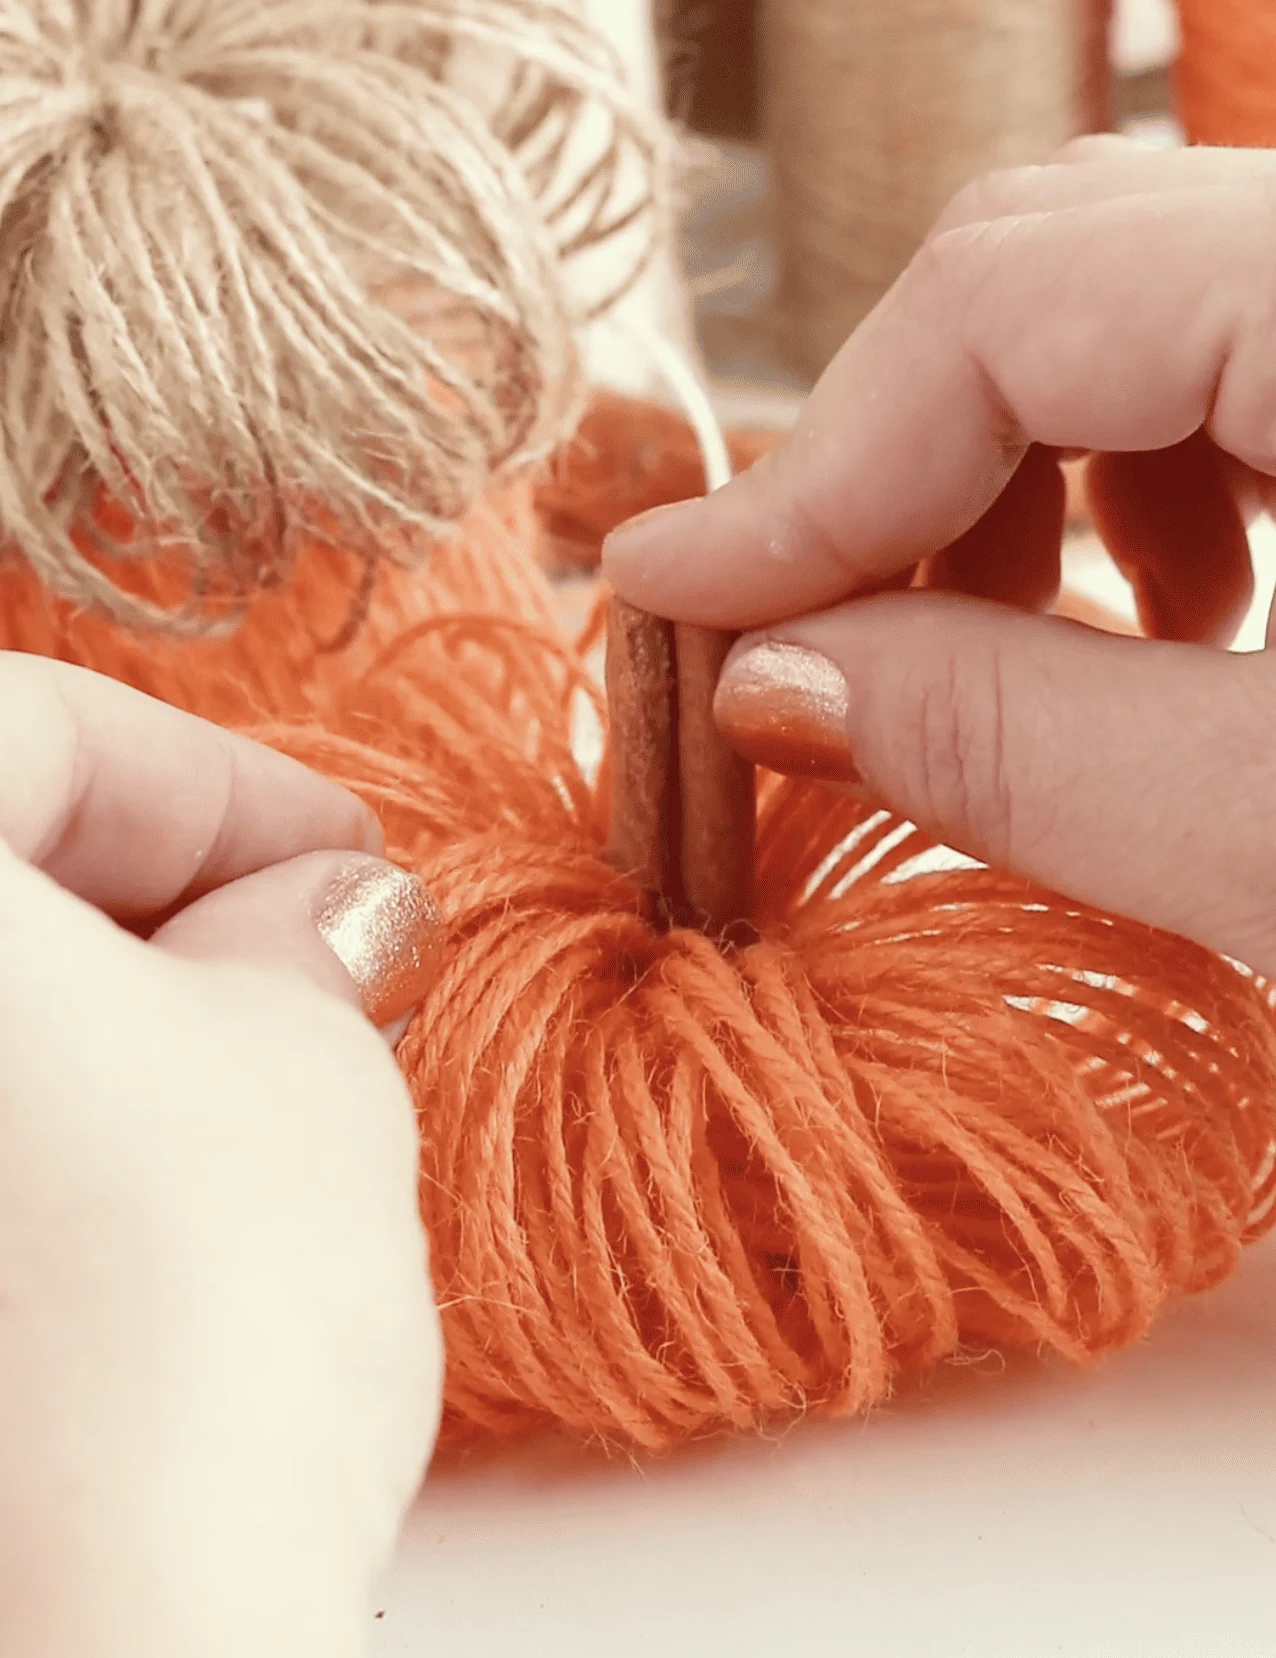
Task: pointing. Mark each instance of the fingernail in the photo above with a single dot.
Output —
(637, 536)
(384, 929)
(785, 707)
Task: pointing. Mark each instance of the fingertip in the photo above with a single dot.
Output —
(355, 926)
(636, 549)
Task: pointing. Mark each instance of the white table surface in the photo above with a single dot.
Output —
(1124, 1512)
(1128, 1511)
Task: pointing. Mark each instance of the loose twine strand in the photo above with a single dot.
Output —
(261, 257)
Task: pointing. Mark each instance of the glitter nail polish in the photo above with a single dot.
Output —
(785, 707)
(383, 927)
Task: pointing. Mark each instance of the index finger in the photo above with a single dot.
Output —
(1119, 325)
(136, 807)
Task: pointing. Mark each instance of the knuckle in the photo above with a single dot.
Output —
(955, 264)
(991, 196)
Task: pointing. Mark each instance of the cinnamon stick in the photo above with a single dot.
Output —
(682, 802)
(716, 793)
(641, 679)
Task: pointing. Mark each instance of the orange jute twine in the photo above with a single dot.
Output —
(672, 1188)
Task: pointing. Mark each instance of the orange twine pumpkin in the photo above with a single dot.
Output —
(670, 1190)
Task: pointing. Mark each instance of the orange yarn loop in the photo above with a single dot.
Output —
(669, 1190)
(1225, 79)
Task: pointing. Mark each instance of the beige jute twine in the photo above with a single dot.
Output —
(877, 112)
(264, 262)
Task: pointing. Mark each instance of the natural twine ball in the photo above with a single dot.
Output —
(264, 261)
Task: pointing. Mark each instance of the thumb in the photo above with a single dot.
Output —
(358, 927)
(1132, 775)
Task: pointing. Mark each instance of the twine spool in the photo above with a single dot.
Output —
(1225, 79)
(878, 111)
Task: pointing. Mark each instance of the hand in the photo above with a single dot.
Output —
(1117, 303)
(219, 1361)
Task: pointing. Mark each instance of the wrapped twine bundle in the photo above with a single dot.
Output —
(671, 1185)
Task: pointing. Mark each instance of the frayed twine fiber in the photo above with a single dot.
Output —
(263, 259)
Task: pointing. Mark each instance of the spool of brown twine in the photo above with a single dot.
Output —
(876, 112)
